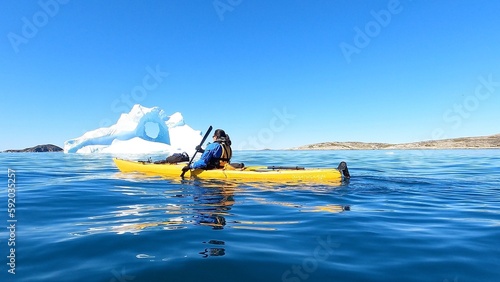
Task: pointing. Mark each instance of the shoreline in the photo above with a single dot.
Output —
(387, 149)
(481, 142)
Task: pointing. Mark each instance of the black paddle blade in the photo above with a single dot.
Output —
(344, 170)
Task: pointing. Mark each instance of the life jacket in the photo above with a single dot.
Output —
(225, 157)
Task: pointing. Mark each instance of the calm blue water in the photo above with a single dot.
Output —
(414, 216)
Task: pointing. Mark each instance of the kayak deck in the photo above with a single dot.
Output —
(251, 173)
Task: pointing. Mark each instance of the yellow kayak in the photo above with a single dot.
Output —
(251, 173)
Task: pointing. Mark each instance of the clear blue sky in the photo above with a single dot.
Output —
(273, 74)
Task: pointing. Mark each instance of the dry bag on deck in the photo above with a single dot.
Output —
(175, 158)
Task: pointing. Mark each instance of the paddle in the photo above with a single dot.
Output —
(202, 141)
(286, 167)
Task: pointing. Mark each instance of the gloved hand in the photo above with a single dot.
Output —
(186, 168)
(199, 149)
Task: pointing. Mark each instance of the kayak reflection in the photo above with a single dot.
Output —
(212, 203)
(206, 203)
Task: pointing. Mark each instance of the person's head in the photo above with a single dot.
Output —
(219, 133)
(221, 136)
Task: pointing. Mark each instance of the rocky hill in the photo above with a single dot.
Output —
(482, 142)
(38, 148)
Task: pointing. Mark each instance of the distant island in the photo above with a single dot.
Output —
(482, 142)
(37, 149)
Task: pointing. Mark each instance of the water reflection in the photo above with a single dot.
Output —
(214, 251)
(212, 203)
(178, 205)
(174, 207)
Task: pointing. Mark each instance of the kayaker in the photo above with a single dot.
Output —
(215, 155)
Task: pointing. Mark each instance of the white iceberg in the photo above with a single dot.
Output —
(130, 135)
